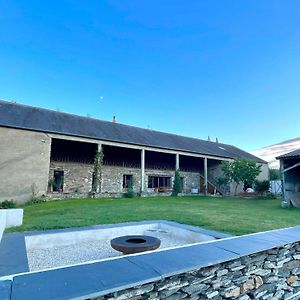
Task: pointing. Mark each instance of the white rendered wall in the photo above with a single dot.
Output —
(10, 218)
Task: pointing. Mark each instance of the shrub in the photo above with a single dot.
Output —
(177, 188)
(271, 196)
(130, 192)
(262, 187)
(7, 204)
(35, 201)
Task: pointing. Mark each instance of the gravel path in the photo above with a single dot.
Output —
(40, 259)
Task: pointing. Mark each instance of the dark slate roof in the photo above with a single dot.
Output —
(39, 119)
(293, 154)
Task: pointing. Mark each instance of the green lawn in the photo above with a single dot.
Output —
(236, 216)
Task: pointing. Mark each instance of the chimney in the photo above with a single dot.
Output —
(217, 140)
(208, 138)
(114, 119)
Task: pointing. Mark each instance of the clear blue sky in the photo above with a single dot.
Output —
(228, 69)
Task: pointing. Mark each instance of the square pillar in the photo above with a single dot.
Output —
(99, 186)
(142, 170)
(205, 175)
(177, 165)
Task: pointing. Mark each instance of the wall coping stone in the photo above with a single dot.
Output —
(5, 289)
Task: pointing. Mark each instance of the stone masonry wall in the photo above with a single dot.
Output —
(272, 274)
(77, 177)
(112, 179)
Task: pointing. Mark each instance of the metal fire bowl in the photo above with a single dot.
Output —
(129, 244)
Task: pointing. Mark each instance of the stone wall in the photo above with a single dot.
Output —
(261, 266)
(191, 181)
(272, 274)
(77, 177)
(112, 179)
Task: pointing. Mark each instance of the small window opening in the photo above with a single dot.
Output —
(58, 181)
(182, 183)
(126, 180)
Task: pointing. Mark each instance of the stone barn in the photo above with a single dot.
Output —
(290, 172)
(50, 153)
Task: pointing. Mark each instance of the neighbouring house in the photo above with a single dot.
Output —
(45, 152)
(290, 171)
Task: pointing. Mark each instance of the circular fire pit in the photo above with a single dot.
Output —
(129, 244)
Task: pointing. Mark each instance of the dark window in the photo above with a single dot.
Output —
(58, 181)
(126, 179)
(182, 182)
(159, 181)
(93, 181)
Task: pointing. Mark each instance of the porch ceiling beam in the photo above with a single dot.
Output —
(292, 167)
(130, 146)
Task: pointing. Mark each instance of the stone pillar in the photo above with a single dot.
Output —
(177, 166)
(99, 187)
(205, 175)
(142, 170)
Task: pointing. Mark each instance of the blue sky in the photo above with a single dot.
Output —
(229, 69)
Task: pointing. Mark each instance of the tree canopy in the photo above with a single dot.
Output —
(240, 170)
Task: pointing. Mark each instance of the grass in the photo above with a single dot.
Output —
(236, 216)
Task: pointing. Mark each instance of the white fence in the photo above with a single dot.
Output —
(276, 187)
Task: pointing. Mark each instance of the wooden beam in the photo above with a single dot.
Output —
(292, 167)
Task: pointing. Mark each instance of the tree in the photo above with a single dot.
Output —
(98, 162)
(177, 188)
(240, 170)
(274, 174)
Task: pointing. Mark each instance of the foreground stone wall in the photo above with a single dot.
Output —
(272, 274)
(259, 266)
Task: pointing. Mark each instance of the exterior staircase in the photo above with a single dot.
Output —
(213, 182)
